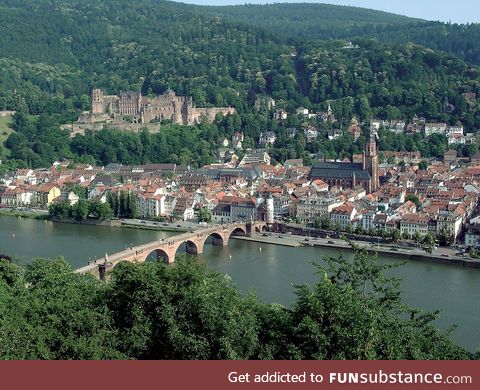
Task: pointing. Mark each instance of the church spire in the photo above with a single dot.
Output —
(371, 160)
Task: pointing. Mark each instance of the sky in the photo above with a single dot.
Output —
(455, 11)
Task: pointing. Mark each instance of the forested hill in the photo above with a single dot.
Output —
(118, 45)
(319, 21)
(65, 47)
(59, 49)
(324, 21)
(52, 53)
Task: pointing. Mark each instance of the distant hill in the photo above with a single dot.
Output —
(319, 21)
(56, 51)
(325, 21)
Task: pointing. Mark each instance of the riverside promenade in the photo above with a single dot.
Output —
(440, 256)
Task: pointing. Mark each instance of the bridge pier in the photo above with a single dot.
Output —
(103, 270)
(170, 259)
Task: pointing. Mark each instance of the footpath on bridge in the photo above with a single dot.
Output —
(167, 248)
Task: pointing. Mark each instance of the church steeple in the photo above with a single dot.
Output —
(371, 160)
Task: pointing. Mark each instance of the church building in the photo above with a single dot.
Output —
(350, 175)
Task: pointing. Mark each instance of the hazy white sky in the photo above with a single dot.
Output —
(455, 11)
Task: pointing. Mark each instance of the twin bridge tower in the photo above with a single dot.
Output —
(166, 249)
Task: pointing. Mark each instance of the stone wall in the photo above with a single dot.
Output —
(210, 113)
(7, 113)
(79, 128)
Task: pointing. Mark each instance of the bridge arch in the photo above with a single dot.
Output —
(238, 231)
(190, 247)
(192, 242)
(160, 254)
(217, 239)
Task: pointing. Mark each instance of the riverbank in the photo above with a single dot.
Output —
(180, 227)
(177, 227)
(9, 212)
(90, 222)
(414, 254)
(157, 228)
(125, 223)
(441, 256)
(268, 240)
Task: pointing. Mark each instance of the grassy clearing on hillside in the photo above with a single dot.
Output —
(5, 131)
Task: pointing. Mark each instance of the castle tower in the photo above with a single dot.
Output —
(270, 208)
(139, 104)
(98, 103)
(370, 161)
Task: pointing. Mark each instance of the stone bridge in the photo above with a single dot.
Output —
(166, 249)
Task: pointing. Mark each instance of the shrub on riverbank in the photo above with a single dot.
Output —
(155, 311)
(81, 210)
(23, 214)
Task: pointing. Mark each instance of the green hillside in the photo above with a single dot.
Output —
(5, 131)
(55, 52)
(324, 21)
(319, 21)
(121, 45)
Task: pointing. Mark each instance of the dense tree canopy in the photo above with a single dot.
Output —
(156, 311)
(325, 21)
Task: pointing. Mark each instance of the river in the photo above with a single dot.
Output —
(270, 270)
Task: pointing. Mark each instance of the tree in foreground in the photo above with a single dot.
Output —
(185, 311)
(356, 312)
(49, 312)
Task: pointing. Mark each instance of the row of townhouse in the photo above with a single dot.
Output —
(409, 224)
(39, 196)
(314, 207)
(454, 134)
(423, 224)
(472, 233)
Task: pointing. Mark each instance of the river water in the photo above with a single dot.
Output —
(270, 270)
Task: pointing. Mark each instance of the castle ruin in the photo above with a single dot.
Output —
(132, 107)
